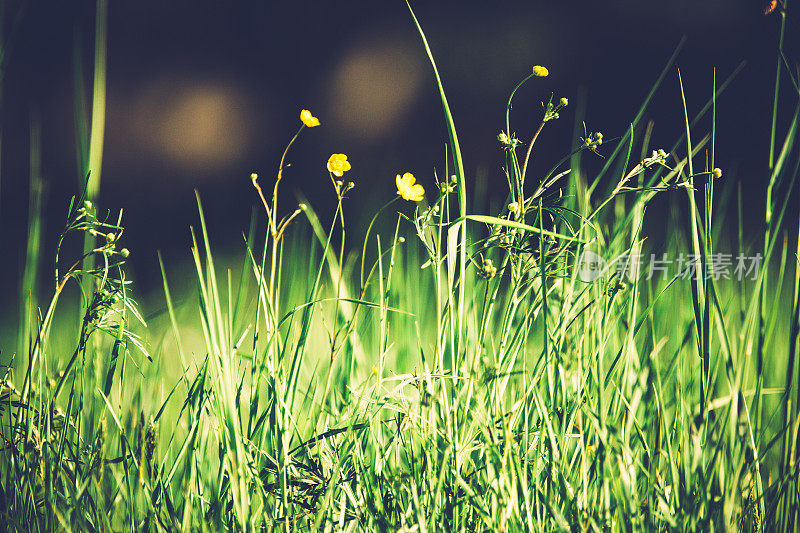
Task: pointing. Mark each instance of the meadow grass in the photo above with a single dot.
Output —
(476, 377)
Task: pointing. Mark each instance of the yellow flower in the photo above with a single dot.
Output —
(540, 71)
(408, 188)
(338, 165)
(308, 119)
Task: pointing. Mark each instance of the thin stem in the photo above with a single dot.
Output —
(528, 154)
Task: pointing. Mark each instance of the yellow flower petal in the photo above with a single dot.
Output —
(408, 188)
(405, 181)
(308, 119)
(540, 71)
(415, 193)
(338, 165)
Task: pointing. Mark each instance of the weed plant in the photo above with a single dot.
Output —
(464, 372)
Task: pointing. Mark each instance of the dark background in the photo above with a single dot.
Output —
(202, 93)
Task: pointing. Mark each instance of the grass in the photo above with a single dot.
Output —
(472, 378)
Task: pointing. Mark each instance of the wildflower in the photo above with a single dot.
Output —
(110, 237)
(770, 6)
(338, 165)
(488, 270)
(717, 173)
(124, 252)
(308, 119)
(551, 110)
(658, 157)
(408, 188)
(507, 141)
(515, 208)
(540, 71)
(593, 141)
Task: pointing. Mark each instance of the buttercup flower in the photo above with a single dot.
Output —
(408, 188)
(308, 119)
(338, 165)
(540, 71)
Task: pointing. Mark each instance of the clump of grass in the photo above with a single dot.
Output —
(478, 376)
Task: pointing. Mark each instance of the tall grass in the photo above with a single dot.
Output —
(466, 371)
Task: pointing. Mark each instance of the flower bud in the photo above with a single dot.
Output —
(540, 71)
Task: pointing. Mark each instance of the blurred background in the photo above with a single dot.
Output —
(202, 93)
